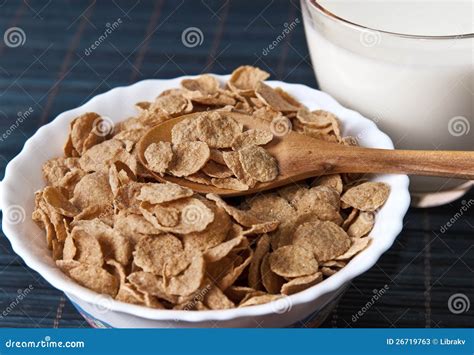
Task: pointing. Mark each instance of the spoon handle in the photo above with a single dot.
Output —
(455, 164)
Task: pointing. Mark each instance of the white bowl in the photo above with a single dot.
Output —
(23, 177)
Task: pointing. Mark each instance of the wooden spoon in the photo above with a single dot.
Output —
(300, 157)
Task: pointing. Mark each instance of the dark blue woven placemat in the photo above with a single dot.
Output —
(56, 69)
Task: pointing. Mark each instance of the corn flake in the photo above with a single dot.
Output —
(368, 196)
(152, 252)
(299, 284)
(324, 238)
(158, 156)
(217, 130)
(270, 280)
(273, 98)
(244, 79)
(188, 158)
(160, 193)
(251, 137)
(258, 163)
(293, 261)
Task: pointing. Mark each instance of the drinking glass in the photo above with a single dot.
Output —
(418, 89)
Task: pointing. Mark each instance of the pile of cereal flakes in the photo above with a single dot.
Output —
(115, 230)
(213, 149)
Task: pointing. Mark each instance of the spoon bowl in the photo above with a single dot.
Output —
(300, 157)
(281, 147)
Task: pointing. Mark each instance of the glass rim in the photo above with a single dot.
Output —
(357, 26)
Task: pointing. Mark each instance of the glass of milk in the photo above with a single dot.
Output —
(406, 64)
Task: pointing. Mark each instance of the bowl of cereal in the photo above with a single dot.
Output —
(83, 205)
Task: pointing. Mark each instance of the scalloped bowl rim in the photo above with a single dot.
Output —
(396, 207)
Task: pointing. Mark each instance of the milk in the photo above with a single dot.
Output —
(418, 90)
(411, 17)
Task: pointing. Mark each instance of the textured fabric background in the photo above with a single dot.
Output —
(55, 69)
